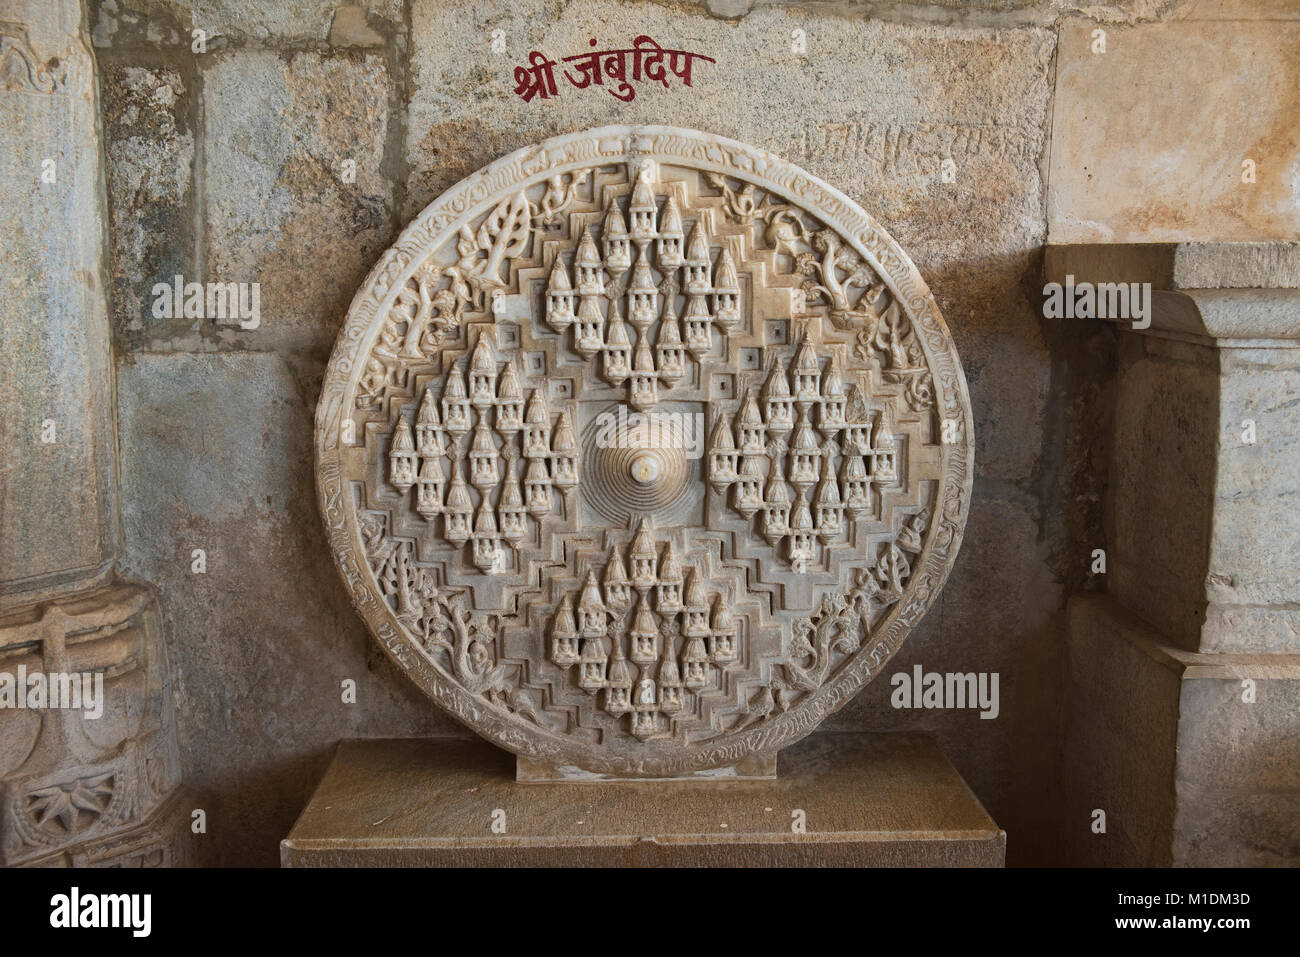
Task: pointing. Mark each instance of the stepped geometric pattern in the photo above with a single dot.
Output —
(642, 450)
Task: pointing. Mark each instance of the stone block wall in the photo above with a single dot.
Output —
(229, 165)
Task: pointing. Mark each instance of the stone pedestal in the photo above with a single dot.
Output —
(851, 800)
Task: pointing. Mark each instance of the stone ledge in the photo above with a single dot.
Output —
(869, 800)
(1234, 295)
(1176, 266)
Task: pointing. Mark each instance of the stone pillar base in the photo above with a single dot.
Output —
(76, 787)
(1191, 756)
(882, 800)
(161, 840)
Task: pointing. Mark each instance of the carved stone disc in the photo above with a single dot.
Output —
(642, 450)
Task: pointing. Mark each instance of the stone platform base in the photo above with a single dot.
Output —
(884, 800)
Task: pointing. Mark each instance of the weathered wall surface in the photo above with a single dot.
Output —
(229, 165)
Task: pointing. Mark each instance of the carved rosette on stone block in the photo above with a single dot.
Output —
(642, 450)
(78, 787)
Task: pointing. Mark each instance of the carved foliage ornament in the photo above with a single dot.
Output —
(642, 450)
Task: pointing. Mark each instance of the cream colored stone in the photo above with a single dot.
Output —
(1168, 166)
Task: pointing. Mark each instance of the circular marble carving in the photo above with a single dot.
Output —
(642, 450)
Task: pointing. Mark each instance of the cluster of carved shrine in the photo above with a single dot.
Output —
(712, 296)
(680, 605)
(501, 432)
(759, 464)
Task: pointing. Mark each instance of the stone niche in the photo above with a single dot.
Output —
(641, 451)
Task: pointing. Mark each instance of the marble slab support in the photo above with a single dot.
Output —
(866, 800)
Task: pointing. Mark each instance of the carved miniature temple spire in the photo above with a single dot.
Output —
(722, 638)
(591, 271)
(670, 680)
(857, 488)
(644, 631)
(776, 505)
(695, 664)
(510, 401)
(593, 661)
(618, 251)
(698, 323)
(857, 417)
(723, 457)
(482, 374)
(643, 557)
(428, 493)
(564, 635)
(537, 427)
(801, 535)
(589, 328)
(428, 430)
(511, 509)
(695, 607)
(618, 688)
(698, 262)
(455, 403)
(753, 431)
(747, 496)
(641, 209)
(459, 511)
(669, 591)
(884, 467)
(807, 373)
(670, 247)
(592, 613)
(537, 488)
(726, 292)
(618, 587)
(668, 349)
(487, 544)
(831, 411)
(559, 298)
(830, 508)
(564, 446)
(645, 378)
(484, 458)
(805, 454)
(618, 349)
(402, 457)
(777, 399)
(645, 715)
(643, 294)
